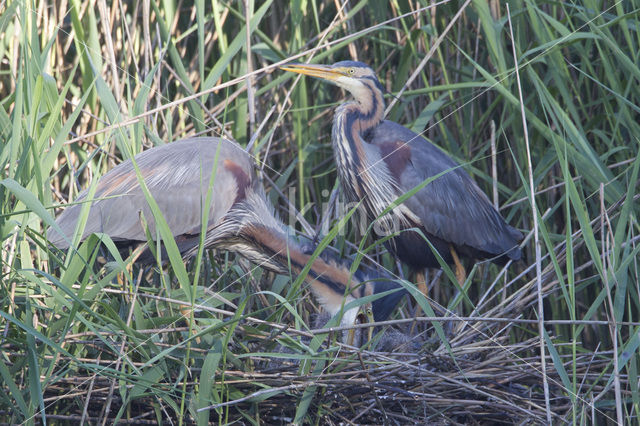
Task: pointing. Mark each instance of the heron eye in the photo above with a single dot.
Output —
(352, 71)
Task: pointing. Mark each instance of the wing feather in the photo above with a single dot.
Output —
(177, 175)
(452, 207)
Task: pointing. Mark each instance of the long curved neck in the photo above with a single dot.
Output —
(363, 173)
(353, 119)
(329, 283)
(252, 229)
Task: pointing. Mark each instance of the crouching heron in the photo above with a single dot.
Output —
(240, 218)
(379, 160)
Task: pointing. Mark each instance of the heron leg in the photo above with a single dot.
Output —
(461, 274)
(120, 280)
(355, 336)
(421, 282)
(351, 336)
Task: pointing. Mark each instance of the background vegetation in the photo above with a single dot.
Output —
(84, 85)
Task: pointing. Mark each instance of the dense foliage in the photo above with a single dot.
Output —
(536, 95)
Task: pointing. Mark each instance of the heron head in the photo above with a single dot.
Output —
(381, 283)
(369, 280)
(357, 78)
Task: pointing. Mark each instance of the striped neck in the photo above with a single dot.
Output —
(367, 109)
(329, 282)
(351, 121)
(363, 173)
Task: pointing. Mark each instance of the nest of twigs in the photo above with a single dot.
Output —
(478, 374)
(485, 382)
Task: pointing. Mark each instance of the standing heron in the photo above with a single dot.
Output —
(379, 160)
(240, 218)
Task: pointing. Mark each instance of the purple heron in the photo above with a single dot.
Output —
(240, 218)
(379, 160)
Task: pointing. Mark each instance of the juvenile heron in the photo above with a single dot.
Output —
(379, 160)
(240, 218)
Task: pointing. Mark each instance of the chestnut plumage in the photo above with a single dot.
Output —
(240, 218)
(379, 160)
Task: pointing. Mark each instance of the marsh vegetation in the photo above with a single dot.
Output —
(541, 96)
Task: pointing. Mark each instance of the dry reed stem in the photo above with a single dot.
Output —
(536, 238)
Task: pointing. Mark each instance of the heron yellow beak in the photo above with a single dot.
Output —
(319, 71)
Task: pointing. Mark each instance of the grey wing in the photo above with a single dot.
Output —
(451, 207)
(177, 175)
